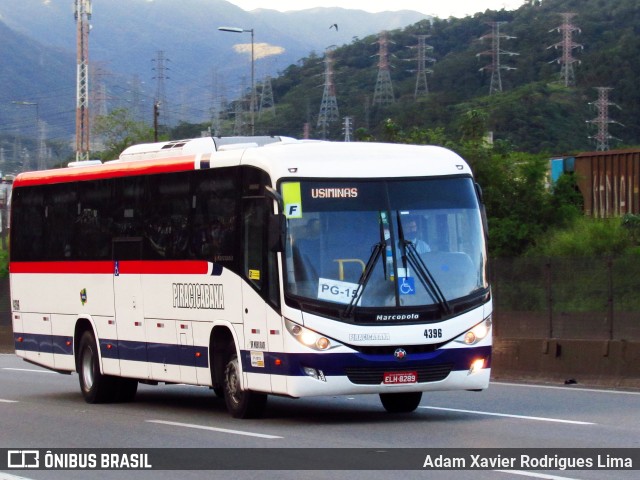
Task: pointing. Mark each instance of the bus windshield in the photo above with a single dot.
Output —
(367, 246)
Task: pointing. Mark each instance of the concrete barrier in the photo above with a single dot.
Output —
(605, 363)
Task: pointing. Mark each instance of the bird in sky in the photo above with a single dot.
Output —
(335, 25)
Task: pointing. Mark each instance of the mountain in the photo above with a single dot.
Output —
(127, 34)
(37, 84)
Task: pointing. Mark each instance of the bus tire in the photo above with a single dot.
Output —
(240, 403)
(400, 402)
(95, 387)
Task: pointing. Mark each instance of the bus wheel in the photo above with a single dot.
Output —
(241, 403)
(95, 387)
(400, 402)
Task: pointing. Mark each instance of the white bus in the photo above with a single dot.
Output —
(270, 266)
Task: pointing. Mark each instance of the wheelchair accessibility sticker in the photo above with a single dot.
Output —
(407, 286)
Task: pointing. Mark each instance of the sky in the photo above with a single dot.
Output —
(438, 8)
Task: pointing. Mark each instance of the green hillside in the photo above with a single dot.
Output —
(535, 112)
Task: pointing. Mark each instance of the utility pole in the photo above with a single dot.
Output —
(82, 16)
(160, 101)
(602, 121)
(495, 66)
(383, 92)
(329, 106)
(156, 114)
(566, 61)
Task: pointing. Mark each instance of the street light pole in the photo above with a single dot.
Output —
(37, 137)
(252, 101)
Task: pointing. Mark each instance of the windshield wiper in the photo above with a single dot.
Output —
(410, 253)
(378, 248)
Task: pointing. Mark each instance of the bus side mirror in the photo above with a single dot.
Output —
(277, 232)
(483, 209)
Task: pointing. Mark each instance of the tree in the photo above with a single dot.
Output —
(118, 131)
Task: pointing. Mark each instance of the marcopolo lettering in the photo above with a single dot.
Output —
(198, 296)
(334, 192)
(404, 316)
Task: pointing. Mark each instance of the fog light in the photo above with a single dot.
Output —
(312, 372)
(476, 366)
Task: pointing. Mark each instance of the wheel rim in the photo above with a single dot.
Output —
(87, 368)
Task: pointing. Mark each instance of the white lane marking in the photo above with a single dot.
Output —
(534, 474)
(2, 400)
(214, 429)
(8, 476)
(566, 388)
(523, 417)
(28, 370)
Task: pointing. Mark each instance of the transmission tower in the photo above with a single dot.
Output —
(329, 106)
(602, 121)
(566, 61)
(495, 53)
(347, 128)
(82, 15)
(383, 93)
(160, 100)
(421, 80)
(42, 153)
(267, 104)
(136, 101)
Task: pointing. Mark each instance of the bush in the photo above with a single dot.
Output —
(586, 237)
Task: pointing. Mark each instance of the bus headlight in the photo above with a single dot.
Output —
(477, 333)
(309, 338)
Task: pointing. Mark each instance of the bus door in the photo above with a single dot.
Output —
(128, 306)
(254, 308)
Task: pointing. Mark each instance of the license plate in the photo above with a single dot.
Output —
(400, 378)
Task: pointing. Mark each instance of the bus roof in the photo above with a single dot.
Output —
(282, 158)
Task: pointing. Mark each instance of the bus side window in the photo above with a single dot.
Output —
(214, 234)
(61, 220)
(28, 224)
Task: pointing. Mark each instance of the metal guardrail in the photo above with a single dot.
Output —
(567, 298)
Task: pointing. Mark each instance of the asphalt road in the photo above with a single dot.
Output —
(42, 409)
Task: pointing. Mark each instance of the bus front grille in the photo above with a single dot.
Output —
(374, 376)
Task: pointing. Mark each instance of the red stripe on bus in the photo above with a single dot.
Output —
(108, 170)
(165, 267)
(62, 267)
(125, 267)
